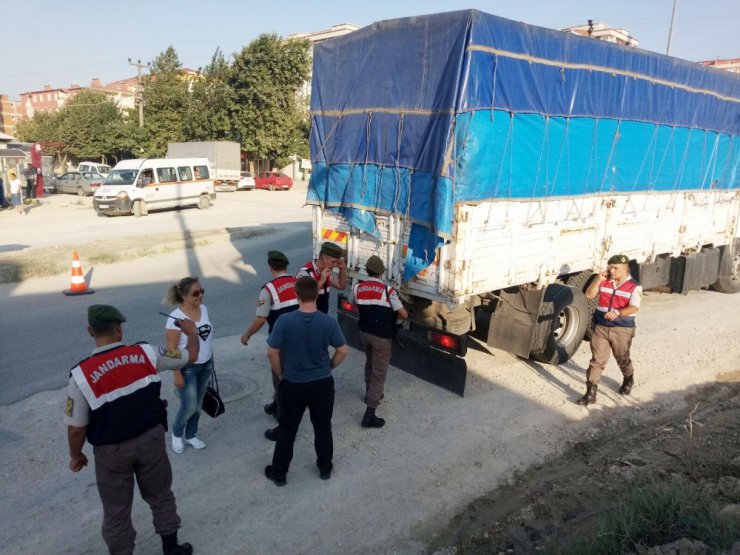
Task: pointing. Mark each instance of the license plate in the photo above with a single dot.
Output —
(103, 206)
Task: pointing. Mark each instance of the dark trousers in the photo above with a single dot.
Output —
(293, 399)
(116, 465)
(30, 189)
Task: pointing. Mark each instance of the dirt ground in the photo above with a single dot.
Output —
(557, 504)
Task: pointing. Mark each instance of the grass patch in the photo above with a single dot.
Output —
(658, 513)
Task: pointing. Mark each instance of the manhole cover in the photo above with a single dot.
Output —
(234, 387)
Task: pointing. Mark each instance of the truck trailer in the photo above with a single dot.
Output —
(495, 165)
(224, 157)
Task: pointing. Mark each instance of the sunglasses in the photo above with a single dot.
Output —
(197, 293)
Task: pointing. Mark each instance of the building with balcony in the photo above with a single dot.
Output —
(9, 115)
(729, 64)
(51, 99)
(602, 31)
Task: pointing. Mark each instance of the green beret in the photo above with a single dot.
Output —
(375, 265)
(619, 259)
(103, 314)
(331, 249)
(277, 256)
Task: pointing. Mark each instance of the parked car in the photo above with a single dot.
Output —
(80, 183)
(94, 167)
(246, 183)
(273, 181)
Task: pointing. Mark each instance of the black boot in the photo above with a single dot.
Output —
(171, 547)
(590, 396)
(272, 408)
(627, 384)
(369, 420)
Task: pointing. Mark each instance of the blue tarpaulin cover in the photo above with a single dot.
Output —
(411, 116)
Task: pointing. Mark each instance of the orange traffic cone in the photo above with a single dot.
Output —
(77, 285)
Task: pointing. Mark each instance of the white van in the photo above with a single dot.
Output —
(94, 167)
(136, 186)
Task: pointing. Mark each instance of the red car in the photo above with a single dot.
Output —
(273, 181)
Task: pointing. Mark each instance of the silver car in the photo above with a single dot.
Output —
(79, 183)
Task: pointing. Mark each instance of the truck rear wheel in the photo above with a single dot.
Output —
(204, 202)
(728, 280)
(563, 318)
(582, 281)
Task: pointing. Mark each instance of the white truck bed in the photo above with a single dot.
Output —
(504, 243)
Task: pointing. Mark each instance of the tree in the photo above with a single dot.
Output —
(80, 129)
(265, 77)
(208, 116)
(165, 99)
(84, 122)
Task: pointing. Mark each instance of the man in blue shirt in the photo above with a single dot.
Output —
(298, 350)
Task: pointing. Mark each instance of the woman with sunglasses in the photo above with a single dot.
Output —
(192, 380)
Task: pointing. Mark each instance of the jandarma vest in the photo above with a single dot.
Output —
(284, 298)
(615, 299)
(322, 302)
(122, 386)
(377, 316)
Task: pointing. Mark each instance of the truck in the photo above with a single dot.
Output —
(494, 166)
(224, 157)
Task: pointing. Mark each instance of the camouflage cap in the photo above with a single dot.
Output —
(619, 259)
(104, 314)
(277, 256)
(375, 265)
(331, 249)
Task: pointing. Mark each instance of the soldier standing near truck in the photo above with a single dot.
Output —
(378, 305)
(330, 257)
(619, 300)
(277, 297)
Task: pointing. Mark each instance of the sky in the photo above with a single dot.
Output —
(60, 43)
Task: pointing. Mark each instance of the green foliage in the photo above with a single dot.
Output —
(165, 98)
(210, 103)
(265, 77)
(660, 513)
(83, 123)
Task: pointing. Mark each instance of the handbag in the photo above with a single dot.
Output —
(213, 406)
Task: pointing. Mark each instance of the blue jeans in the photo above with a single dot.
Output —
(191, 398)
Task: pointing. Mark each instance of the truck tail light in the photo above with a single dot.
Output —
(443, 340)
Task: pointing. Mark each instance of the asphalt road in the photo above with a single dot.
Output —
(43, 333)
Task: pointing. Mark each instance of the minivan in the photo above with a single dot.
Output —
(136, 186)
(94, 167)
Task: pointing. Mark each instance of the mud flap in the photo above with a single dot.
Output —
(514, 322)
(413, 354)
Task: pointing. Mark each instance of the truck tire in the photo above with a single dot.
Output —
(204, 202)
(138, 209)
(729, 268)
(582, 281)
(561, 324)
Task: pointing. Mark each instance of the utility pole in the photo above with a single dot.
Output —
(138, 66)
(670, 31)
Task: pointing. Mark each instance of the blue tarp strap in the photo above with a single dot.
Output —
(398, 164)
(493, 88)
(648, 151)
(668, 148)
(615, 138)
(713, 164)
(560, 154)
(367, 153)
